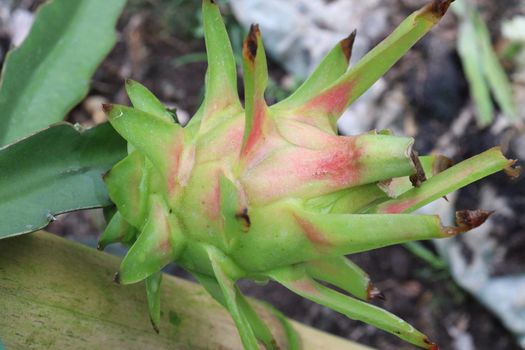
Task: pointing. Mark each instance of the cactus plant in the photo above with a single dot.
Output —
(273, 192)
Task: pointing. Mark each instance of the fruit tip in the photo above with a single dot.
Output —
(347, 45)
(440, 7)
(467, 220)
(251, 43)
(100, 246)
(374, 293)
(514, 172)
(472, 218)
(116, 278)
(107, 107)
(431, 345)
(437, 8)
(154, 325)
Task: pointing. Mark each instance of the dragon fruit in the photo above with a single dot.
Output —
(273, 192)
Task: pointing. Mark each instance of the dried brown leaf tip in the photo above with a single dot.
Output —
(467, 220)
(155, 327)
(437, 8)
(251, 43)
(348, 44)
(513, 172)
(440, 7)
(107, 107)
(431, 345)
(441, 163)
(374, 293)
(419, 177)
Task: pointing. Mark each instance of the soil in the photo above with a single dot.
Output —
(432, 79)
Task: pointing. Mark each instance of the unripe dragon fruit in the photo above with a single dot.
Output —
(273, 192)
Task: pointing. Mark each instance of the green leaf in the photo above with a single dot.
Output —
(494, 72)
(50, 72)
(55, 171)
(481, 64)
(419, 250)
(469, 52)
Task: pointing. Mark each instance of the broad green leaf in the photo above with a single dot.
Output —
(55, 171)
(50, 72)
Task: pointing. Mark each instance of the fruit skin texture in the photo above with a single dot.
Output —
(272, 192)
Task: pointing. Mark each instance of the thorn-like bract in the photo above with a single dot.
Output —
(347, 45)
(273, 192)
(107, 107)
(251, 43)
(419, 176)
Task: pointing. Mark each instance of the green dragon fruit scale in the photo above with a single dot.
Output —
(273, 192)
